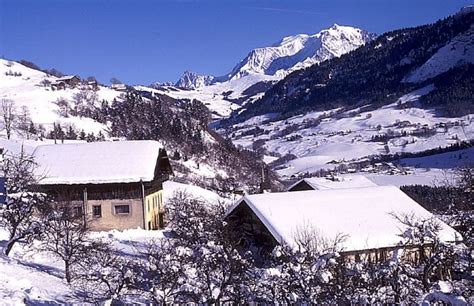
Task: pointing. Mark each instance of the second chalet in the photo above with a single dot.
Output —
(114, 185)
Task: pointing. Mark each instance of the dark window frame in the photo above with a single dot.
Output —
(94, 207)
(128, 212)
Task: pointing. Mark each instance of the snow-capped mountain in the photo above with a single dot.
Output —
(301, 51)
(394, 64)
(406, 92)
(265, 66)
(192, 80)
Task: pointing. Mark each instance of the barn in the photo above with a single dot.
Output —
(364, 217)
(65, 81)
(114, 184)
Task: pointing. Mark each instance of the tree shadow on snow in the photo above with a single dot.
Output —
(43, 268)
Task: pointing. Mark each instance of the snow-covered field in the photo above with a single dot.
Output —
(32, 277)
(317, 138)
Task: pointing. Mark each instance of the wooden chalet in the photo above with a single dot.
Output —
(114, 185)
(66, 81)
(363, 217)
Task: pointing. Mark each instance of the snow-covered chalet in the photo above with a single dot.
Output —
(331, 182)
(114, 184)
(363, 216)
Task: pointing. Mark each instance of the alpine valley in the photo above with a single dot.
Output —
(397, 107)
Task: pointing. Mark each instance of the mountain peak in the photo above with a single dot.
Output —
(301, 51)
(192, 80)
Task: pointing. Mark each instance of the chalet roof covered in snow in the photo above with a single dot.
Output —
(97, 162)
(67, 77)
(364, 215)
(321, 183)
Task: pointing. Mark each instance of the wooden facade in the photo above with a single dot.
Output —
(67, 81)
(253, 234)
(120, 206)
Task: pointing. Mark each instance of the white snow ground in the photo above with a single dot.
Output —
(344, 136)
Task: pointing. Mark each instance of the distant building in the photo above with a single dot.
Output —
(114, 185)
(332, 182)
(119, 87)
(363, 216)
(92, 84)
(66, 81)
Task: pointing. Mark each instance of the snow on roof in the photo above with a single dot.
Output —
(97, 162)
(67, 77)
(339, 182)
(363, 214)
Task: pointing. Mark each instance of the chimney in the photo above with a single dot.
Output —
(265, 186)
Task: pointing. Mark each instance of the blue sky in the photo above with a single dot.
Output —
(142, 41)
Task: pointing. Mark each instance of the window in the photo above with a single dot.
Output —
(97, 211)
(122, 209)
(77, 211)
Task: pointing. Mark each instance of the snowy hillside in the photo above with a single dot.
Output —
(197, 152)
(328, 139)
(28, 87)
(459, 50)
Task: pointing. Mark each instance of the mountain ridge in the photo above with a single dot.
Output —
(289, 54)
(373, 74)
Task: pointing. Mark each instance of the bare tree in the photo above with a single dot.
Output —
(8, 115)
(103, 274)
(163, 271)
(65, 235)
(24, 121)
(84, 102)
(19, 215)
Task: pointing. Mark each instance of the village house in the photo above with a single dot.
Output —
(364, 217)
(66, 81)
(114, 184)
(331, 182)
(92, 84)
(119, 87)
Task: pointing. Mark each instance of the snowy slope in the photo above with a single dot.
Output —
(31, 277)
(459, 51)
(323, 140)
(26, 90)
